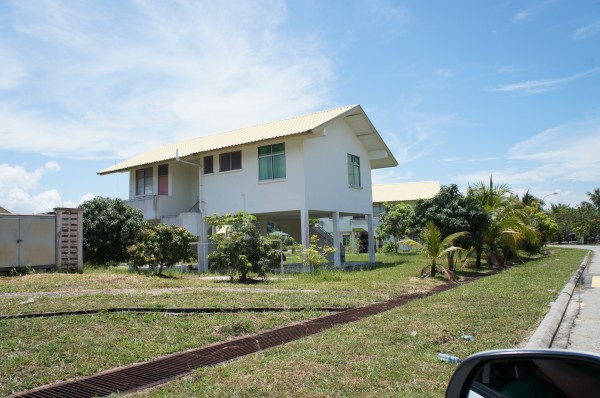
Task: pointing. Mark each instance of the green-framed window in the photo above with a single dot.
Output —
(271, 162)
(353, 170)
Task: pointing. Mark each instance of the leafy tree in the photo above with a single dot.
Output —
(394, 221)
(451, 212)
(587, 220)
(565, 217)
(162, 245)
(539, 220)
(595, 197)
(240, 247)
(110, 226)
(433, 246)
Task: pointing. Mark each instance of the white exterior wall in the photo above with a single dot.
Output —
(326, 162)
(183, 191)
(239, 190)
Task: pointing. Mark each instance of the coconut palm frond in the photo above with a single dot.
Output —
(448, 274)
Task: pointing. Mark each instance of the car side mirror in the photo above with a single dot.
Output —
(527, 373)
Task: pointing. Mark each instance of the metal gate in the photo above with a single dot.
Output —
(27, 241)
(42, 241)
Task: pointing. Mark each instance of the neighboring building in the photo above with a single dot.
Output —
(3, 210)
(354, 230)
(285, 172)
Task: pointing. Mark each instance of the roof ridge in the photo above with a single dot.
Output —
(278, 121)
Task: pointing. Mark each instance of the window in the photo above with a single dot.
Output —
(353, 170)
(346, 240)
(230, 161)
(377, 210)
(163, 179)
(271, 162)
(143, 181)
(208, 165)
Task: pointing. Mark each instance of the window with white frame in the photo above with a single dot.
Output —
(230, 161)
(353, 170)
(208, 165)
(271, 162)
(143, 181)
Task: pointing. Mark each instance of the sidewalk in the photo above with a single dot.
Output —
(584, 307)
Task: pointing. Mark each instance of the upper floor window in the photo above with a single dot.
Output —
(271, 162)
(353, 170)
(230, 161)
(208, 165)
(163, 179)
(378, 209)
(143, 181)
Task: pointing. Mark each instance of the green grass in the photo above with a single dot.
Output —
(380, 357)
(374, 357)
(42, 350)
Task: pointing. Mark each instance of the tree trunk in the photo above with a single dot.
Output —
(478, 252)
(451, 262)
(433, 268)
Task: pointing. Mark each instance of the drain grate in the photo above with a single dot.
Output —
(158, 371)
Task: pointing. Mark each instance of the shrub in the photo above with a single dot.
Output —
(162, 245)
(110, 226)
(240, 249)
(315, 256)
(389, 247)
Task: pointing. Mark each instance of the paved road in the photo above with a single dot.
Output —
(580, 329)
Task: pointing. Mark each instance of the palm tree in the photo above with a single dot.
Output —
(595, 197)
(507, 229)
(530, 200)
(433, 247)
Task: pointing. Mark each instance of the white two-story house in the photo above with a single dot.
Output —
(286, 172)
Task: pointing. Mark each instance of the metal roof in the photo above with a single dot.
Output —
(354, 115)
(403, 192)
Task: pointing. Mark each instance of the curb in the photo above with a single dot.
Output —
(544, 335)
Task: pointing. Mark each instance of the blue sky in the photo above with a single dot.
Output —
(458, 90)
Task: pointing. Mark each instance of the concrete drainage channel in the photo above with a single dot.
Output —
(158, 371)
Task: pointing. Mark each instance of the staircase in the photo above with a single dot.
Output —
(326, 239)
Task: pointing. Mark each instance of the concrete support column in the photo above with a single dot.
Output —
(337, 255)
(304, 230)
(202, 244)
(369, 219)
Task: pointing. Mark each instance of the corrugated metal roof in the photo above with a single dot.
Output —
(407, 191)
(281, 128)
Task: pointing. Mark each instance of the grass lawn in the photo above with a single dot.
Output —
(377, 356)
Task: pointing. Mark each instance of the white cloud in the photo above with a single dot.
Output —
(521, 16)
(414, 138)
(529, 13)
(12, 72)
(539, 86)
(566, 153)
(446, 73)
(97, 89)
(18, 189)
(586, 31)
